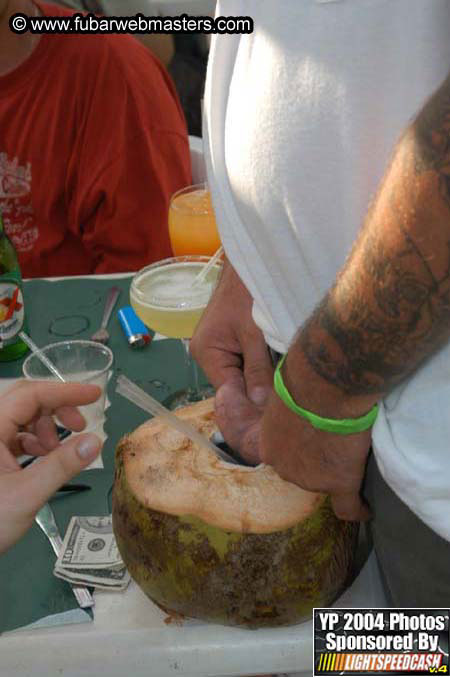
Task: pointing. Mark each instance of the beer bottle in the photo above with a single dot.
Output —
(12, 312)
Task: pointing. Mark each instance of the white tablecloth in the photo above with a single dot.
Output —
(129, 637)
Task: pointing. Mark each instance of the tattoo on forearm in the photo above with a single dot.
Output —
(432, 130)
(376, 345)
(390, 307)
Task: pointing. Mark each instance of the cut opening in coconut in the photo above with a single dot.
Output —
(220, 541)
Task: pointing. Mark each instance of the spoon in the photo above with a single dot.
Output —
(102, 334)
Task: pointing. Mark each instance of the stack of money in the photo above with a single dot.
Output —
(89, 555)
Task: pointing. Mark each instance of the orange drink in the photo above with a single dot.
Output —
(192, 224)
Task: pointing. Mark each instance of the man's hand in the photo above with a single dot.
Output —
(314, 459)
(232, 352)
(26, 426)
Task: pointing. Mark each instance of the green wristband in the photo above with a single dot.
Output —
(343, 426)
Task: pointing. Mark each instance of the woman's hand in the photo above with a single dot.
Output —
(26, 426)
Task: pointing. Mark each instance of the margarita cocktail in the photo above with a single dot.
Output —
(169, 300)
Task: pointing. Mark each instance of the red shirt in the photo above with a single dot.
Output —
(93, 143)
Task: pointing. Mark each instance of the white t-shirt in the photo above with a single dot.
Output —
(301, 118)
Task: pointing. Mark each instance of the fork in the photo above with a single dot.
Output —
(46, 520)
(102, 334)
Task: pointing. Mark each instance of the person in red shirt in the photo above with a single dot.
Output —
(93, 143)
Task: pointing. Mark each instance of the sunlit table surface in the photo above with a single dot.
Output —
(130, 636)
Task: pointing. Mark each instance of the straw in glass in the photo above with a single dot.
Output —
(40, 355)
(205, 270)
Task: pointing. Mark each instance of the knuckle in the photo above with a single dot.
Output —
(256, 372)
(198, 353)
(63, 459)
(195, 341)
(347, 509)
(253, 368)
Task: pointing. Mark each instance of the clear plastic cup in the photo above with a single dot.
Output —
(79, 361)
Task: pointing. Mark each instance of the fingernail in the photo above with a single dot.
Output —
(221, 397)
(88, 447)
(259, 396)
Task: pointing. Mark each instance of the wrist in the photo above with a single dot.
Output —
(312, 392)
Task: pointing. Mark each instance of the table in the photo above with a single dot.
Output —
(129, 636)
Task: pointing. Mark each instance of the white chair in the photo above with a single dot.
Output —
(197, 159)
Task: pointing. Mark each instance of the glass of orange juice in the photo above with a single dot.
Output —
(192, 224)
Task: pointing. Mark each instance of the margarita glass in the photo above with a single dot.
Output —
(166, 299)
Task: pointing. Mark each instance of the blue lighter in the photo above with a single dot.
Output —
(134, 329)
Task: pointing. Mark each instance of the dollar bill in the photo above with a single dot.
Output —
(89, 543)
(104, 580)
(89, 555)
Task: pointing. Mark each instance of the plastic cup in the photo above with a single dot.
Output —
(78, 361)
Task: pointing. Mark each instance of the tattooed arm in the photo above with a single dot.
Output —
(387, 312)
(390, 306)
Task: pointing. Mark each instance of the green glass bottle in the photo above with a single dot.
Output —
(12, 311)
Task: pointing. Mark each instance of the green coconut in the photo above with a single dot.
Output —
(220, 542)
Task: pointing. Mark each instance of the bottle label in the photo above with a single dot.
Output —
(12, 312)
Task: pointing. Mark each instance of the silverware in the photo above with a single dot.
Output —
(102, 334)
(46, 521)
